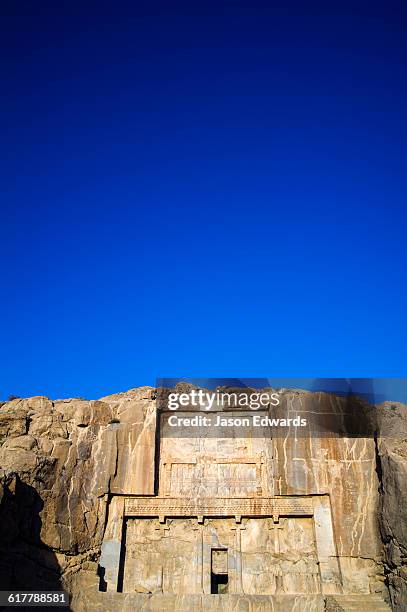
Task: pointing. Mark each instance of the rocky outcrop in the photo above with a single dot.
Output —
(62, 461)
(392, 470)
(59, 461)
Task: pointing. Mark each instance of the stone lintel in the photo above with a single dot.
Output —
(220, 507)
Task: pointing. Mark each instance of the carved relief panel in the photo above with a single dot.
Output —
(257, 556)
(160, 558)
(215, 467)
(279, 557)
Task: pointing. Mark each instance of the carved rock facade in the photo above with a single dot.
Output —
(96, 498)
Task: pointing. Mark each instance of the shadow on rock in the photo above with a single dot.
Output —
(353, 414)
(25, 562)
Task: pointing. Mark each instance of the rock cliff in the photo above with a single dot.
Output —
(62, 461)
(392, 512)
(59, 462)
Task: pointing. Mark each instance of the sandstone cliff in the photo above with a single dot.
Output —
(392, 472)
(61, 461)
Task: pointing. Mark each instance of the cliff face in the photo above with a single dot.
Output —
(59, 461)
(62, 461)
(392, 471)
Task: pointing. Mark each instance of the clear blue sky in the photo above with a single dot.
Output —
(201, 190)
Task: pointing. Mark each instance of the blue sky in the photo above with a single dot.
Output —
(201, 190)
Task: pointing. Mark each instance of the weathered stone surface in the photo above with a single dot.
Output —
(67, 468)
(392, 469)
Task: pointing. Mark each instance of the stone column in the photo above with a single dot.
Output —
(276, 524)
(238, 527)
(325, 543)
(206, 562)
(198, 528)
(112, 542)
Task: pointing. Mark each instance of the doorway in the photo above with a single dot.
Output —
(219, 571)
